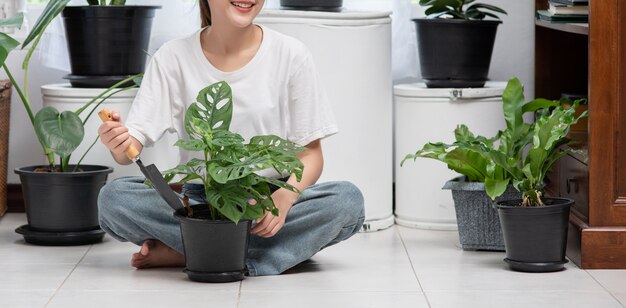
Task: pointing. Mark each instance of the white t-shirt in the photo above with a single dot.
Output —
(278, 92)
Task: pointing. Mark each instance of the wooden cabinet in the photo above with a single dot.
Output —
(581, 59)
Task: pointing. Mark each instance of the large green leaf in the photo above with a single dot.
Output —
(488, 7)
(52, 9)
(61, 132)
(230, 199)
(7, 44)
(214, 106)
(512, 104)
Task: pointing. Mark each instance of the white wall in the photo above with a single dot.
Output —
(513, 56)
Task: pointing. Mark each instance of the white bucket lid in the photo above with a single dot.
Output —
(343, 18)
(66, 90)
(491, 89)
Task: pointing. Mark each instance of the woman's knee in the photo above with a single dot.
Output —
(114, 196)
(347, 201)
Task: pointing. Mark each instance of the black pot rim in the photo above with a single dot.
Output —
(560, 203)
(181, 218)
(107, 7)
(488, 22)
(28, 171)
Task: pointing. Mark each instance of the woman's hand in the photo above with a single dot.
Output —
(269, 225)
(114, 135)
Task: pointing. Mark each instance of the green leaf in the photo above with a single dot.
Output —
(93, 2)
(61, 132)
(215, 105)
(117, 2)
(512, 103)
(495, 188)
(436, 10)
(52, 9)
(539, 103)
(191, 145)
(7, 44)
(13, 22)
(488, 7)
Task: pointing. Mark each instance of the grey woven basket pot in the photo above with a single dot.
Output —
(477, 219)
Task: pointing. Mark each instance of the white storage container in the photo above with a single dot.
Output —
(63, 97)
(352, 53)
(425, 115)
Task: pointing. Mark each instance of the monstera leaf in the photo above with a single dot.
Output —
(61, 132)
(212, 111)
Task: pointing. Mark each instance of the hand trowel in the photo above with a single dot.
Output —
(150, 172)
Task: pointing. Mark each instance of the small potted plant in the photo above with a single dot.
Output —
(215, 234)
(60, 198)
(535, 226)
(477, 221)
(107, 43)
(455, 42)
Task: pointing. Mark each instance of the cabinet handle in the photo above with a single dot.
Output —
(570, 184)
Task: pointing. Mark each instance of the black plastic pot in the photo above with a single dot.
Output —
(312, 5)
(215, 251)
(535, 237)
(62, 201)
(455, 53)
(107, 44)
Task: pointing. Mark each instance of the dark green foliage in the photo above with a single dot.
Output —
(460, 9)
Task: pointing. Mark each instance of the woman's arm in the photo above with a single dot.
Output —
(313, 161)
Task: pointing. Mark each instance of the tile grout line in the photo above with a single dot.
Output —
(68, 276)
(239, 294)
(412, 267)
(605, 289)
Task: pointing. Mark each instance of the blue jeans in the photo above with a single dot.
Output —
(324, 214)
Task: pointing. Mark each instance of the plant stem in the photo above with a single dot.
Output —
(85, 154)
(24, 98)
(113, 87)
(102, 101)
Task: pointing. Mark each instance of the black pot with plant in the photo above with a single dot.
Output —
(535, 226)
(456, 42)
(107, 43)
(60, 198)
(312, 5)
(215, 234)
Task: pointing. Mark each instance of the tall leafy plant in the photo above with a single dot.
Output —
(473, 155)
(59, 133)
(460, 9)
(229, 167)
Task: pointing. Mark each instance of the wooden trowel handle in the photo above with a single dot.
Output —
(106, 115)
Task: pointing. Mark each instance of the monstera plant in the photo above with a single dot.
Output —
(229, 167)
(215, 233)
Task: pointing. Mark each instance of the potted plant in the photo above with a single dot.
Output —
(478, 223)
(215, 234)
(535, 226)
(107, 43)
(312, 5)
(456, 42)
(60, 198)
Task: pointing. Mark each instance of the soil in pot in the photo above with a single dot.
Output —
(535, 237)
(215, 250)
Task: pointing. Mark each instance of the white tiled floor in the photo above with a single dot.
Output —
(398, 267)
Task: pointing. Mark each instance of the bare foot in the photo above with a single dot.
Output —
(154, 253)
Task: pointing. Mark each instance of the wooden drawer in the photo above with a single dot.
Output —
(574, 184)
